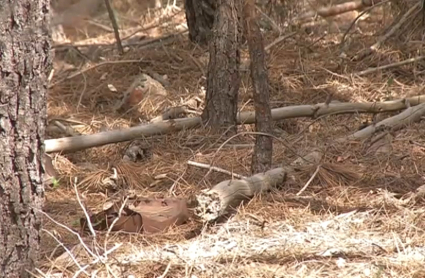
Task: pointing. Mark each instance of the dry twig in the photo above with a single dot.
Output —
(214, 168)
(309, 181)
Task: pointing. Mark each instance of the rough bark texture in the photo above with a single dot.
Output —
(223, 78)
(262, 156)
(24, 62)
(200, 19)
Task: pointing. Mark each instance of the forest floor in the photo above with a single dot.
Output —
(358, 226)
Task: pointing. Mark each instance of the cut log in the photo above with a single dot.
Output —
(94, 140)
(228, 195)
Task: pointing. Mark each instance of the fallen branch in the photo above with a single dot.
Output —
(368, 9)
(321, 109)
(309, 181)
(408, 116)
(228, 195)
(393, 65)
(337, 9)
(278, 40)
(381, 40)
(65, 129)
(99, 25)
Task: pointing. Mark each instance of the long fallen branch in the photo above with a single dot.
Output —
(228, 195)
(93, 140)
(408, 116)
(337, 9)
(392, 65)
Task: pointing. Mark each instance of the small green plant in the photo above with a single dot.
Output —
(55, 183)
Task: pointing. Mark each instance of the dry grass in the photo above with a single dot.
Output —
(353, 220)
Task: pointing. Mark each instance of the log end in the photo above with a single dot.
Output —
(208, 205)
(213, 204)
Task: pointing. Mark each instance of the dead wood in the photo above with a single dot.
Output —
(337, 9)
(408, 116)
(69, 131)
(94, 140)
(228, 195)
(263, 149)
(392, 65)
(409, 14)
(102, 138)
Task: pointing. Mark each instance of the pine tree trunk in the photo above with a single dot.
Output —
(24, 62)
(200, 19)
(223, 78)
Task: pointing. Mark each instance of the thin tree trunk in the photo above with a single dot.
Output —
(262, 156)
(223, 78)
(24, 48)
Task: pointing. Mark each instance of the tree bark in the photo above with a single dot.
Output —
(24, 47)
(263, 150)
(200, 19)
(223, 78)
